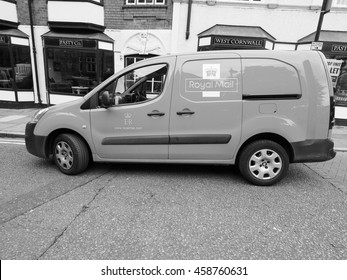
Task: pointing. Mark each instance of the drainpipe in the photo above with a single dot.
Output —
(326, 5)
(34, 50)
(190, 2)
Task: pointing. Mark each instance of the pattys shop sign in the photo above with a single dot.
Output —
(71, 43)
(339, 48)
(239, 42)
(332, 48)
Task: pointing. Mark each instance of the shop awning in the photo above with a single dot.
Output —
(13, 32)
(225, 37)
(99, 36)
(326, 36)
(237, 31)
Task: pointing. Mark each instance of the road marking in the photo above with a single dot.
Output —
(12, 141)
(11, 118)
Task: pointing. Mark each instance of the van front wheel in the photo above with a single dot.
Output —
(263, 162)
(70, 154)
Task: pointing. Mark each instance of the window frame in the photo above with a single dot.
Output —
(111, 87)
(145, 2)
(14, 79)
(248, 94)
(343, 4)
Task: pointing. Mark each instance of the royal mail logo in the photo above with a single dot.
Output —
(221, 85)
(211, 72)
(127, 115)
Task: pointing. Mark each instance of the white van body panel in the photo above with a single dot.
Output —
(213, 130)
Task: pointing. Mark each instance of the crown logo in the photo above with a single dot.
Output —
(127, 115)
(211, 72)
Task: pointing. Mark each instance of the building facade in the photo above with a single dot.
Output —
(52, 51)
(265, 24)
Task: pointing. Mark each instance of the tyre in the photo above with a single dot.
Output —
(263, 162)
(70, 154)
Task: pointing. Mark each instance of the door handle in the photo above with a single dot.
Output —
(188, 112)
(155, 113)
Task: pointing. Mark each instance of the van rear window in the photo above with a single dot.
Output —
(269, 78)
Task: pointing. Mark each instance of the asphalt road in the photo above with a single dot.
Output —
(144, 211)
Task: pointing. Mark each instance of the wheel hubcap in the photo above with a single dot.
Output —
(265, 164)
(64, 155)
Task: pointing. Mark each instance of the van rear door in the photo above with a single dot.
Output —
(206, 109)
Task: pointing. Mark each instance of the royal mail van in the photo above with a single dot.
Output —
(260, 110)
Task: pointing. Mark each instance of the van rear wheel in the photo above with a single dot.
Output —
(70, 154)
(263, 162)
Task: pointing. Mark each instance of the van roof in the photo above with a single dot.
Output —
(244, 52)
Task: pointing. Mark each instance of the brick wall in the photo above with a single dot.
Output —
(39, 8)
(117, 15)
(120, 16)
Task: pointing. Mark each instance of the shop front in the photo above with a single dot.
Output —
(228, 37)
(333, 44)
(76, 63)
(16, 79)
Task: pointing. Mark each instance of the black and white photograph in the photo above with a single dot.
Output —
(173, 139)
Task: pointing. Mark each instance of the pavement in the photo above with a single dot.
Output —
(13, 121)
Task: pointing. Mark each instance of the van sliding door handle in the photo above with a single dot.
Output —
(180, 113)
(155, 114)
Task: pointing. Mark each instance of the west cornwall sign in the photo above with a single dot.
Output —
(239, 42)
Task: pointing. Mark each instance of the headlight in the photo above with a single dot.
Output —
(38, 115)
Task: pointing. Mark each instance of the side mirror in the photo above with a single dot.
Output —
(105, 99)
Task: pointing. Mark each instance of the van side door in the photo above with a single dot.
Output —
(136, 127)
(206, 110)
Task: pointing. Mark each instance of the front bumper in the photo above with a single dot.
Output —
(313, 150)
(35, 144)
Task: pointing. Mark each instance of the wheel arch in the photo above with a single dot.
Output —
(55, 133)
(268, 136)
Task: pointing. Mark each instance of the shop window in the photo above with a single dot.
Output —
(341, 86)
(91, 64)
(77, 71)
(15, 68)
(6, 73)
(139, 85)
(107, 65)
(135, 58)
(22, 67)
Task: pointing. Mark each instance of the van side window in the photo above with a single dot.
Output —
(211, 80)
(269, 78)
(139, 85)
